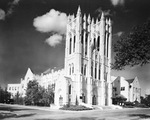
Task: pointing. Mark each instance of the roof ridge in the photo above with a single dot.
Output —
(130, 80)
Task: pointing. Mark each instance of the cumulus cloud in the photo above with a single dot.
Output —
(119, 33)
(54, 40)
(15, 2)
(117, 2)
(53, 22)
(10, 9)
(2, 14)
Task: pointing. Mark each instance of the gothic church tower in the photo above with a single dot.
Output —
(88, 59)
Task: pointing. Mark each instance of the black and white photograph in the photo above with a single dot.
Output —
(75, 59)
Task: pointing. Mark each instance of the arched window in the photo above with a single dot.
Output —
(98, 43)
(85, 69)
(82, 37)
(99, 72)
(94, 43)
(72, 68)
(69, 89)
(69, 69)
(96, 57)
(70, 46)
(74, 43)
(107, 45)
(92, 69)
(95, 70)
(86, 43)
(82, 69)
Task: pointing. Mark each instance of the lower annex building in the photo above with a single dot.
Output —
(128, 88)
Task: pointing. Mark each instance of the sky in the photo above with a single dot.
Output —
(32, 33)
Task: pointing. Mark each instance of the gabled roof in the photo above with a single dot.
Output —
(28, 73)
(130, 80)
(113, 78)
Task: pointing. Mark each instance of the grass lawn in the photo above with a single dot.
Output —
(17, 112)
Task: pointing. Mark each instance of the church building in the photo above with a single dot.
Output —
(86, 76)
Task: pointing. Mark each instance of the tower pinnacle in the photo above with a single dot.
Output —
(102, 16)
(89, 18)
(79, 10)
(109, 21)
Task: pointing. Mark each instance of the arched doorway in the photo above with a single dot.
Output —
(59, 97)
(60, 100)
(83, 98)
(94, 100)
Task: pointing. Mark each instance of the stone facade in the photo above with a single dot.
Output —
(13, 89)
(86, 76)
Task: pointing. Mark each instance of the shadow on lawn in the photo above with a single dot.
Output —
(11, 109)
(25, 115)
(80, 118)
(140, 115)
(4, 115)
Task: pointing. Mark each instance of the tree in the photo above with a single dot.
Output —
(38, 95)
(1, 95)
(134, 48)
(147, 100)
(47, 95)
(32, 95)
(18, 99)
(143, 101)
(4, 95)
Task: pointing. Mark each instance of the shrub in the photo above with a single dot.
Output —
(75, 108)
(128, 104)
(134, 104)
(141, 105)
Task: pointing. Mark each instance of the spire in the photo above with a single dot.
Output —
(79, 10)
(69, 17)
(110, 25)
(84, 18)
(102, 16)
(97, 26)
(92, 21)
(109, 22)
(84, 24)
(72, 17)
(96, 21)
(89, 19)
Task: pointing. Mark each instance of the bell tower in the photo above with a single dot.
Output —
(88, 59)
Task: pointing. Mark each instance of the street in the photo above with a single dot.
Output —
(18, 112)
